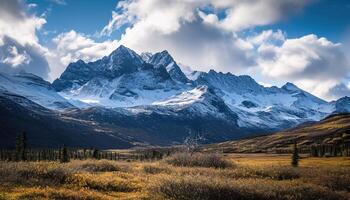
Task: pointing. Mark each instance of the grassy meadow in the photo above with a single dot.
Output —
(180, 176)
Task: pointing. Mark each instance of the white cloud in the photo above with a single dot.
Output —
(166, 16)
(196, 32)
(14, 59)
(72, 46)
(19, 45)
(267, 36)
(243, 14)
(315, 64)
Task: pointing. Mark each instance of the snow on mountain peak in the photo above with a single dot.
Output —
(290, 87)
(189, 73)
(161, 58)
(122, 54)
(164, 59)
(146, 56)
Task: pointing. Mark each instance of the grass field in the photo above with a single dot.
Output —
(204, 176)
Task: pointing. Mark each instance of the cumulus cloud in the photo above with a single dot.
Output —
(316, 64)
(203, 34)
(243, 14)
(19, 45)
(72, 46)
(208, 34)
(14, 59)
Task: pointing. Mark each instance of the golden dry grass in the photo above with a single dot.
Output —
(250, 176)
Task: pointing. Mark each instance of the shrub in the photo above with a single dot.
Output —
(276, 172)
(3, 196)
(105, 182)
(95, 166)
(61, 194)
(203, 188)
(334, 181)
(198, 160)
(153, 169)
(29, 173)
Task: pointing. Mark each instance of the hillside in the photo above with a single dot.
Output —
(331, 130)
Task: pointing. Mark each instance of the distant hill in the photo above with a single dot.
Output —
(331, 130)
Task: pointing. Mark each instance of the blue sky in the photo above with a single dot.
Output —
(305, 42)
(327, 18)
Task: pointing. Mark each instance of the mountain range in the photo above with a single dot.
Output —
(125, 99)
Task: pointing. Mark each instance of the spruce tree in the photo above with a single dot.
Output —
(18, 148)
(95, 154)
(64, 155)
(295, 156)
(23, 142)
(21, 147)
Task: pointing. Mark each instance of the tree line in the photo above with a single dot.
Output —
(65, 154)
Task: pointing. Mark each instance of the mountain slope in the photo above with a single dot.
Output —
(330, 130)
(268, 107)
(46, 128)
(33, 88)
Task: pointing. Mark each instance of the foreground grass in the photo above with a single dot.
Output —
(180, 177)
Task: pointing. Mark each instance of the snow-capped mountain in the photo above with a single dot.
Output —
(156, 80)
(154, 95)
(33, 88)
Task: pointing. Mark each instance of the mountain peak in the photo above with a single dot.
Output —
(146, 56)
(344, 98)
(123, 56)
(124, 50)
(342, 105)
(290, 87)
(161, 58)
(80, 61)
(164, 59)
(165, 52)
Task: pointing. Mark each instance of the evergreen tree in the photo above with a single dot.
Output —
(18, 148)
(95, 154)
(21, 147)
(295, 156)
(64, 155)
(24, 146)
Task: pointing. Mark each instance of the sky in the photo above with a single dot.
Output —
(306, 42)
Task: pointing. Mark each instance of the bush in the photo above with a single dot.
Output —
(61, 194)
(3, 196)
(203, 188)
(334, 181)
(198, 160)
(153, 169)
(105, 182)
(277, 172)
(95, 166)
(29, 173)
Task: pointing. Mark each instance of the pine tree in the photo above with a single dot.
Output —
(64, 155)
(95, 154)
(295, 156)
(18, 148)
(24, 146)
(21, 147)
